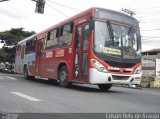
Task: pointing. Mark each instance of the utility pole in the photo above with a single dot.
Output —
(40, 4)
(131, 13)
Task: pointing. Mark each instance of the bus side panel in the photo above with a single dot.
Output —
(17, 67)
(53, 59)
(30, 62)
(65, 56)
(58, 56)
(48, 64)
(38, 55)
(19, 61)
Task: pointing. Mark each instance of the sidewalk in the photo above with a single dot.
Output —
(152, 89)
(140, 88)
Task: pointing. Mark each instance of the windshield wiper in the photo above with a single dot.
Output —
(110, 31)
(130, 31)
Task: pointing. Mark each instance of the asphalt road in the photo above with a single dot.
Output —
(18, 95)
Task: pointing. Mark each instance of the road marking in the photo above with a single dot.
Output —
(25, 96)
(10, 78)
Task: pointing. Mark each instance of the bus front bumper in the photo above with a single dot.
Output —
(96, 77)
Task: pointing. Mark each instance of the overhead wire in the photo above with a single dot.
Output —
(150, 29)
(142, 12)
(157, 10)
(149, 15)
(153, 18)
(148, 19)
(145, 16)
(150, 40)
(144, 8)
(56, 10)
(151, 36)
(50, 4)
(60, 4)
(151, 21)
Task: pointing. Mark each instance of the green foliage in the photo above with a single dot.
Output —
(3, 55)
(12, 37)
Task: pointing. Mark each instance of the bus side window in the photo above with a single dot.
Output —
(78, 38)
(30, 46)
(40, 48)
(66, 35)
(32, 49)
(86, 37)
(22, 51)
(52, 38)
(18, 51)
(27, 47)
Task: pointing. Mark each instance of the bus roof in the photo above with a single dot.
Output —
(86, 12)
(24, 40)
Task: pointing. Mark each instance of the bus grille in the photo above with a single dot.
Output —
(120, 64)
(120, 77)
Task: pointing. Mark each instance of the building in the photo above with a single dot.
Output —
(151, 52)
(149, 62)
(151, 68)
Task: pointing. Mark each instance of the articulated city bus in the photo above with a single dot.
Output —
(97, 46)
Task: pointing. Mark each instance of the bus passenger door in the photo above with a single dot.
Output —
(81, 57)
(39, 56)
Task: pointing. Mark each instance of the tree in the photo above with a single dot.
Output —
(11, 38)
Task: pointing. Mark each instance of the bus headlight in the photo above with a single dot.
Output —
(138, 70)
(98, 66)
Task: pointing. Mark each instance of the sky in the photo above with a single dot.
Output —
(21, 13)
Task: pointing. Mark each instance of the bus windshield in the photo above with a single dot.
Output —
(117, 40)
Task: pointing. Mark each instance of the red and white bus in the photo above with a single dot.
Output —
(98, 46)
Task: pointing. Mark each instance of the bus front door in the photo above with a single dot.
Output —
(39, 58)
(81, 57)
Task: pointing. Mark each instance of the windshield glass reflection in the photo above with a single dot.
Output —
(117, 40)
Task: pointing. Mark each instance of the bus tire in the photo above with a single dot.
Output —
(25, 73)
(63, 77)
(104, 87)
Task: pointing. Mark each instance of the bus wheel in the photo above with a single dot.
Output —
(63, 77)
(104, 87)
(25, 73)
